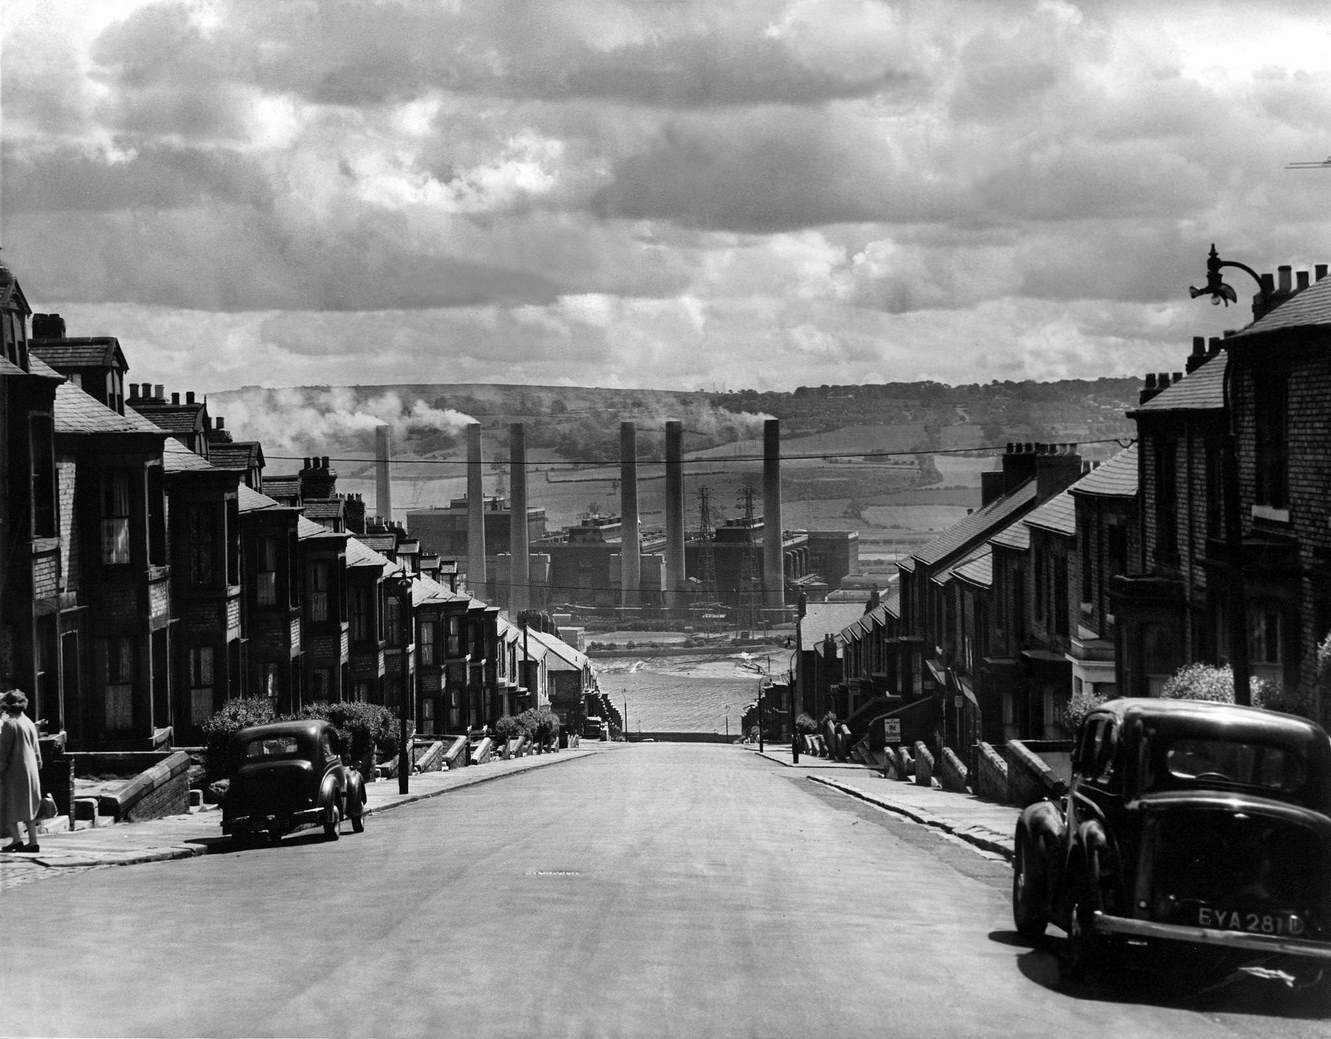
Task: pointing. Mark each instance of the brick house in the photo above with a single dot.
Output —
(207, 638)
(1280, 400)
(33, 650)
(325, 634)
(1167, 605)
(186, 420)
(272, 602)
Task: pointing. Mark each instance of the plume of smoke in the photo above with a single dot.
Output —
(302, 419)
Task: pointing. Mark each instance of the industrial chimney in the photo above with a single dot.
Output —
(519, 575)
(630, 563)
(774, 578)
(476, 575)
(383, 483)
(676, 578)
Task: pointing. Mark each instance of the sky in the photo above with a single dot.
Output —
(655, 193)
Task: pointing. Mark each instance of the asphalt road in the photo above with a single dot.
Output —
(653, 890)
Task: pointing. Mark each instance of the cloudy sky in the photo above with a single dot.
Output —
(654, 192)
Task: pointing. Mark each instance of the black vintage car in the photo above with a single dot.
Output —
(1197, 830)
(286, 775)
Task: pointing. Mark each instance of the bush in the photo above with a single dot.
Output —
(1216, 684)
(1079, 706)
(805, 724)
(228, 720)
(362, 728)
(507, 728)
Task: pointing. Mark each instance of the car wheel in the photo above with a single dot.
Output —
(332, 821)
(1086, 952)
(357, 816)
(1028, 890)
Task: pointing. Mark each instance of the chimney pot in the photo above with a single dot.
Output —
(1162, 379)
(220, 422)
(133, 391)
(175, 398)
(1215, 345)
(323, 462)
(1150, 380)
(1178, 376)
(1301, 279)
(1319, 271)
(1198, 345)
(159, 391)
(189, 396)
(1010, 447)
(1283, 272)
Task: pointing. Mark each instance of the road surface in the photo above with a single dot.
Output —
(651, 890)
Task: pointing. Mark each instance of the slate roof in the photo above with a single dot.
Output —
(282, 486)
(566, 657)
(1310, 308)
(978, 569)
(177, 458)
(306, 528)
(1058, 515)
(1015, 535)
(1115, 478)
(239, 454)
(252, 501)
(79, 352)
(986, 518)
(944, 575)
(380, 542)
(1200, 390)
(323, 508)
(183, 418)
(360, 554)
(820, 618)
(76, 412)
(36, 366)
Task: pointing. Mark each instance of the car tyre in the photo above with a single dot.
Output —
(357, 816)
(333, 821)
(1028, 913)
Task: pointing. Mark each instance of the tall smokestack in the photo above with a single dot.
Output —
(383, 483)
(630, 563)
(774, 579)
(520, 563)
(674, 518)
(476, 575)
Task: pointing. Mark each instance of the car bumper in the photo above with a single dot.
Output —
(251, 823)
(1268, 943)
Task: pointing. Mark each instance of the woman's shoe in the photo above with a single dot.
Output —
(31, 847)
(14, 846)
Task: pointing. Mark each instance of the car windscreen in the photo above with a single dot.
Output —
(1262, 766)
(271, 747)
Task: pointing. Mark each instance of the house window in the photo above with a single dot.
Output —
(41, 450)
(1264, 634)
(321, 683)
(1060, 595)
(360, 692)
(362, 614)
(201, 684)
(1215, 500)
(319, 575)
(453, 643)
(425, 643)
(115, 517)
(266, 577)
(1158, 659)
(1040, 590)
(1270, 386)
(119, 683)
(1166, 501)
(393, 615)
(200, 544)
(1087, 564)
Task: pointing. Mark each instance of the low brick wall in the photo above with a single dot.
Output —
(952, 774)
(905, 763)
(159, 790)
(991, 774)
(1034, 771)
(455, 751)
(481, 753)
(431, 758)
(924, 765)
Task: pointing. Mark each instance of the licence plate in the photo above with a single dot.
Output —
(1250, 922)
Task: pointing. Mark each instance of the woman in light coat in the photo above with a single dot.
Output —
(20, 758)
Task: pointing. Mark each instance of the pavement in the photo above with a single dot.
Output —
(199, 832)
(986, 825)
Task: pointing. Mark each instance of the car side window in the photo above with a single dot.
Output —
(1106, 753)
(326, 745)
(1086, 749)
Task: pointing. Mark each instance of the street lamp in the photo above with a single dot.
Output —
(1229, 468)
(401, 583)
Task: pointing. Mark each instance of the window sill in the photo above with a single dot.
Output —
(1270, 514)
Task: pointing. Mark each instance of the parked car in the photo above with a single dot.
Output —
(593, 728)
(1197, 830)
(286, 775)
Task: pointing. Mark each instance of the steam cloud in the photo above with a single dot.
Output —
(301, 420)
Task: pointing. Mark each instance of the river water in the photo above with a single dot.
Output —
(704, 693)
